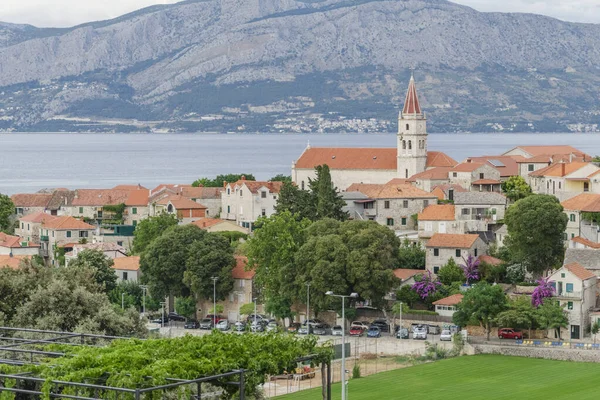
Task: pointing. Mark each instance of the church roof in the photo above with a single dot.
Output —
(411, 104)
(439, 159)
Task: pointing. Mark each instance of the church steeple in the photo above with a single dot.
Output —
(411, 104)
(412, 135)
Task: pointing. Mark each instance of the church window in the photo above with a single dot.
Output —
(406, 173)
(410, 144)
(404, 145)
(407, 126)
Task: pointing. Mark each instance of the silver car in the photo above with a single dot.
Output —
(420, 332)
(446, 335)
(223, 325)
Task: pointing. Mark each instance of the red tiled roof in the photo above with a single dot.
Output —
(207, 222)
(138, 197)
(587, 202)
(13, 262)
(255, 186)
(131, 263)
(586, 242)
(438, 212)
(404, 274)
(467, 167)
(579, 271)
(99, 197)
(411, 103)
(439, 159)
(438, 174)
(559, 169)
(67, 223)
(541, 150)
(181, 203)
(39, 217)
(490, 260)
(510, 163)
(390, 191)
(486, 182)
(452, 240)
(9, 241)
(38, 200)
(239, 271)
(449, 301)
(130, 187)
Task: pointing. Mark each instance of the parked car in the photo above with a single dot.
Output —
(322, 329)
(381, 324)
(239, 327)
(259, 317)
(173, 316)
(293, 328)
(272, 327)
(357, 330)
(433, 329)
(305, 329)
(510, 333)
(337, 330)
(258, 325)
(401, 333)
(361, 324)
(374, 331)
(223, 325)
(206, 323)
(446, 335)
(160, 320)
(216, 318)
(313, 322)
(420, 332)
(191, 324)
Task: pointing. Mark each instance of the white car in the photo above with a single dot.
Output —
(223, 325)
(420, 332)
(360, 324)
(446, 335)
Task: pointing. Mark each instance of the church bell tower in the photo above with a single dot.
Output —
(412, 135)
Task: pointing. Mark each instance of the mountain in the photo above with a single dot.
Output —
(285, 65)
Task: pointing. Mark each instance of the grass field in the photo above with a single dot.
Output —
(475, 378)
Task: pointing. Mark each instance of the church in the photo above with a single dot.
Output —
(377, 165)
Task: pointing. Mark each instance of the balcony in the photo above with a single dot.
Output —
(370, 212)
(44, 238)
(569, 295)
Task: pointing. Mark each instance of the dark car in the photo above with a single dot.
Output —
(510, 333)
(293, 328)
(239, 327)
(357, 330)
(322, 329)
(374, 331)
(173, 316)
(381, 324)
(401, 333)
(258, 317)
(206, 323)
(258, 325)
(191, 324)
(165, 319)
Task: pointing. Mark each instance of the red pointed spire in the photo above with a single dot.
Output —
(411, 104)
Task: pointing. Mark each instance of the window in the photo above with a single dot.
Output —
(263, 195)
(572, 217)
(407, 126)
(228, 191)
(404, 145)
(481, 175)
(390, 222)
(231, 297)
(83, 234)
(565, 236)
(170, 208)
(569, 288)
(403, 221)
(457, 252)
(135, 222)
(302, 185)
(22, 225)
(454, 174)
(120, 243)
(368, 206)
(465, 211)
(80, 210)
(405, 203)
(530, 168)
(263, 212)
(52, 233)
(241, 192)
(475, 252)
(436, 252)
(562, 275)
(134, 210)
(572, 236)
(68, 234)
(425, 203)
(559, 184)
(570, 305)
(19, 210)
(436, 270)
(406, 173)
(410, 144)
(386, 204)
(125, 276)
(28, 227)
(242, 283)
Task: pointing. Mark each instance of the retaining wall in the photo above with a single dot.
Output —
(533, 352)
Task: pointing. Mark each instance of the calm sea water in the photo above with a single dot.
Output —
(30, 162)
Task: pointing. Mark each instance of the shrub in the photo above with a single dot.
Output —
(356, 371)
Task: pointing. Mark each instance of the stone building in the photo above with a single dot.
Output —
(29, 226)
(438, 218)
(476, 177)
(60, 231)
(246, 201)
(127, 268)
(478, 211)
(444, 246)
(579, 227)
(210, 197)
(15, 246)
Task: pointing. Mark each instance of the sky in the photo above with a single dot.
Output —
(64, 13)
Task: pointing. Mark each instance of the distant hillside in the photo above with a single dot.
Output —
(284, 65)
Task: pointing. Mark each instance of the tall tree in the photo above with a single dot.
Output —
(520, 314)
(281, 178)
(516, 188)
(326, 198)
(483, 303)
(296, 201)
(98, 262)
(411, 255)
(535, 232)
(451, 273)
(551, 315)
(221, 179)
(149, 229)
(7, 209)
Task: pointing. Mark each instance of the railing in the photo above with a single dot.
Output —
(44, 238)
(570, 295)
(371, 212)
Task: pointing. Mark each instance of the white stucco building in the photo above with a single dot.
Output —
(246, 201)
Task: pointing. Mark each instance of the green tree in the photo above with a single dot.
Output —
(482, 303)
(535, 232)
(149, 229)
(134, 296)
(326, 198)
(411, 255)
(520, 314)
(220, 180)
(516, 188)
(271, 252)
(247, 309)
(281, 178)
(186, 306)
(7, 210)
(451, 273)
(551, 315)
(595, 329)
(295, 201)
(407, 296)
(100, 264)
(492, 273)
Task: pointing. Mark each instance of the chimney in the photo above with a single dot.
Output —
(76, 195)
(562, 169)
(243, 177)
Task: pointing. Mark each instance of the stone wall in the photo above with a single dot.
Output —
(536, 352)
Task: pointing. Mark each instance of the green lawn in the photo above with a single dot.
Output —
(475, 377)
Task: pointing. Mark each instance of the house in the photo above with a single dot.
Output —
(136, 207)
(501, 234)
(377, 165)
(484, 258)
(507, 166)
(60, 231)
(444, 246)
(30, 203)
(532, 151)
(431, 178)
(476, 211)
(127, 268)
(60, 202)
(566, 180)
(476, 177)
(186, 210)
(207, 196)
(576, 290)
(15, 246)
(438, 218)
(578, 226)
(407, 276)
(246, 201)
(219, 225)
(446, 191)
(393, 204)
(13, 262)
(110, 250)
(29, 226)
(446, 307)
(587, 258)
(89, 204)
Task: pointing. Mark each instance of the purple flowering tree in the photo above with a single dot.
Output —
(427, 286)
(470, 268)
(543, 290)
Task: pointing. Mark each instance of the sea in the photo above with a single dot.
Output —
(33, 161)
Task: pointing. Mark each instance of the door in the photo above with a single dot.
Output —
(560, 288)
(442, 227)
(574, 331)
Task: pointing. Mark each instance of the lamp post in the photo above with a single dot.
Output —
(214, 279)
(144, 288)
(162, 320)
(122, 300)
(308, 308)
(343, 297)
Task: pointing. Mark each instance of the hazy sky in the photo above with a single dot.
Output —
(71, 12)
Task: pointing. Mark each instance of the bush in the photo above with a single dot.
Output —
(356, 371)
(435, 352)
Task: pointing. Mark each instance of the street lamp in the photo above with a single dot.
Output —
(144, 288)
(254, 300)
(162, 320)
(122, 300)
(308, 308)
(343, 297)
(214, 279)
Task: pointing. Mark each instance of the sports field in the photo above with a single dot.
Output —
(475, 377)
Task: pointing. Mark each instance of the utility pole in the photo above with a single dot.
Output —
(308, 308)
(122, 300)
(214, 279)
(162, 321)
(144, 288)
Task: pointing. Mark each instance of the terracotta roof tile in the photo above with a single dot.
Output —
(438, 212)
(255, 186)
(541, 150)
(449, 301)
(103, 246)
(490, 260)
(467, 167)
(181, 203)
(586, 242)
(411, 103)
(207, 222)
(404, 274)
(99, 197)
(9, 241)
(579, 271)
(506, 165)
(587, 202)
(138, 197)
(39, 217)
(438, 174)
(390, 191)
(559, 169)
(67, 223)
(131, 263)
(13, 262)
(452, 240)
(239, 271)
(486, 182)
(439, 159)
(61, 198)
(31, 199)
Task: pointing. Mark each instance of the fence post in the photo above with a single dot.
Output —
(242, 386)
(329, 380)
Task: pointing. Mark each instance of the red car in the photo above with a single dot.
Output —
(357, 330)
(509, 333)
(216, 318)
